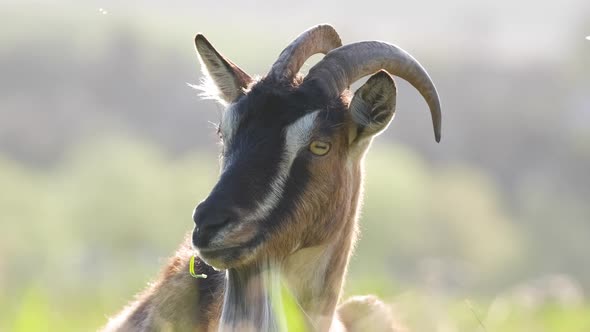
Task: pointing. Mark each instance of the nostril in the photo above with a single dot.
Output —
(213, 222)
(208, 217)
(197, 213)
(209, 220)
(214, 226)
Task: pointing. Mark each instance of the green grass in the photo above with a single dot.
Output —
(38, 310)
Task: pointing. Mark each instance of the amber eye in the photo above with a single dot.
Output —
(319, 148)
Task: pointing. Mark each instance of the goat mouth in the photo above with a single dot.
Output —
(217, 251)
(220, 257)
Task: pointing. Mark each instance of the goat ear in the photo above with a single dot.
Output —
(228, 79)
(373, 106)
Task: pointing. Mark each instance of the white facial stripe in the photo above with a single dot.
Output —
(297, 136)
(229, 123)
(227, 128)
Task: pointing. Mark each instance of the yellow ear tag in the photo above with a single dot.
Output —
(191, 269)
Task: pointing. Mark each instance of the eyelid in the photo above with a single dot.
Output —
(319, 147)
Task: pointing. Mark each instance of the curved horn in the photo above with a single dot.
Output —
(344, 65)
(319, 39)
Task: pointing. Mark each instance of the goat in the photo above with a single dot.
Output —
(282, 219)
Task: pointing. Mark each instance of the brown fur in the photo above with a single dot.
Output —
(176, 301)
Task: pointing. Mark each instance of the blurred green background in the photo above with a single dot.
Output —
(105, 151)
